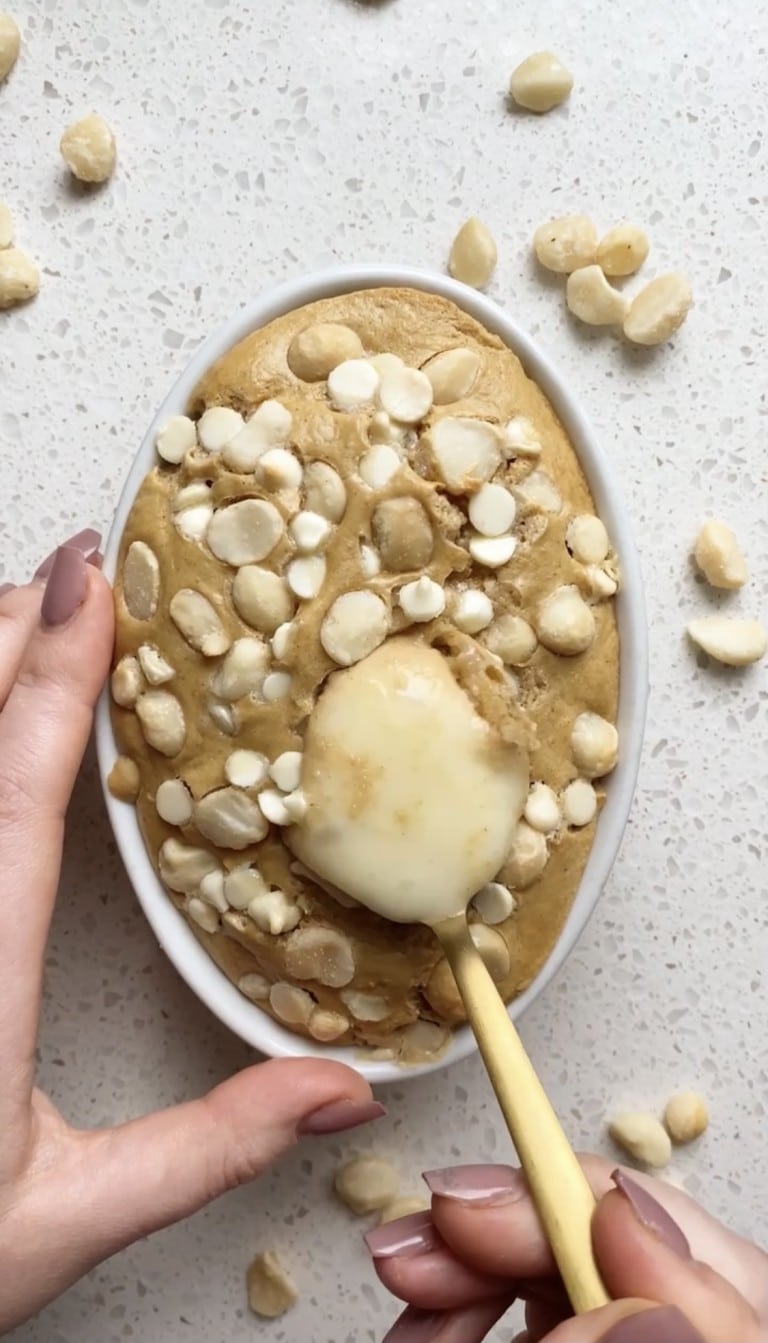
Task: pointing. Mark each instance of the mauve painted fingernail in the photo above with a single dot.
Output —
(665, 1324)
(340, 1115)
(415, 1326)
(86, 541)
(65, 587)
(651, 1214)
(403, 1238)
(482, 1185)
(6, 587)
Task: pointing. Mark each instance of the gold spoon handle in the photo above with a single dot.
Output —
(563, 1198)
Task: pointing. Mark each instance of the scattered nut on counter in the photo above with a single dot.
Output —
(10, 44)
(404, 1206)
(729, 639)
(659, 310)
(566, 244)
(622, 250)
(6, 226)
(686, 1116)
(88, 149)
(643, 1136)
(367, 1183)
(540, 82)
(592, 299)
(270, 1290)
(473, 255)
(19, 277)
(718, 555)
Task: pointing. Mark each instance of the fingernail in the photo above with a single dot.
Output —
(340, 1115)
(65, 587)
(86, 541)
(665, 1324)
(479, 1185)
(416, 1326)
(6, 587)
(403, 1238)
(651, 1214)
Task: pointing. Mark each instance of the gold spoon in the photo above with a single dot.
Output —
(413, 801)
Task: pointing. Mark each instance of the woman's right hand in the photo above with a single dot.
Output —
(675, 1274)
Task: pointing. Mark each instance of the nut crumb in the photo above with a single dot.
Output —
(270, 1290)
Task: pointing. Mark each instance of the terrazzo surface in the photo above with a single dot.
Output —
(256, 142)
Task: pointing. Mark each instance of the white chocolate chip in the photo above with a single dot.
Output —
(229, 818)
(268, 427)
(520, 438)
(453, 374)
(212, 890)
(405, 394)
(246, 769)
(579, 802)
(314, 352)
(243, 670)
(281, 640)
(422, 600)
(285, 771)
(594, 745)
(512, 639)
(224, 716)
(382, 429)
(127, 682)
(245, 532)
(385, 362)
(492, 551)
(198, 622)
(622, 250)
(310, 532)
(492, 948)
(296, 805)
(273, 806)
(305, 576)
(728, 639)
(352, 384)
(718, 556)
(19, 277)
(6, 218)
(686, 1116)
(403, 534)
(644, 1137)
(402, 1207)
(193, 510)
(242, 885)
(203, 914)
(88, 149)
(327, 1026)
(564, 623)
(355, 624)
(277, 685)
(262, 598)
(273, 912)
(255, 986)
(494, 902)
(540, 82)
(279, 470)
(590, 297)
(322, 954)
(539, 491)
(587, 539)
(175, 439)
(492, 510)
(10, 44)
(367, 1183)
(190, 496)
(603, 582)
(542, 809)
(379, 465)
(217, 427)
(467, 452)
(141, 581)
(527, 857)
(293, 1006)
(153, 665)
(162, 721)
(270, 1290)
(182, 866)
(324, 491)
(173, 802)
(366, 1006)
(472, 611)
(659, 310)
(473, 254)
(566, 243)
(370, 563)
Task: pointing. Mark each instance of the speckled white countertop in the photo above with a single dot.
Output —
(257, 141)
